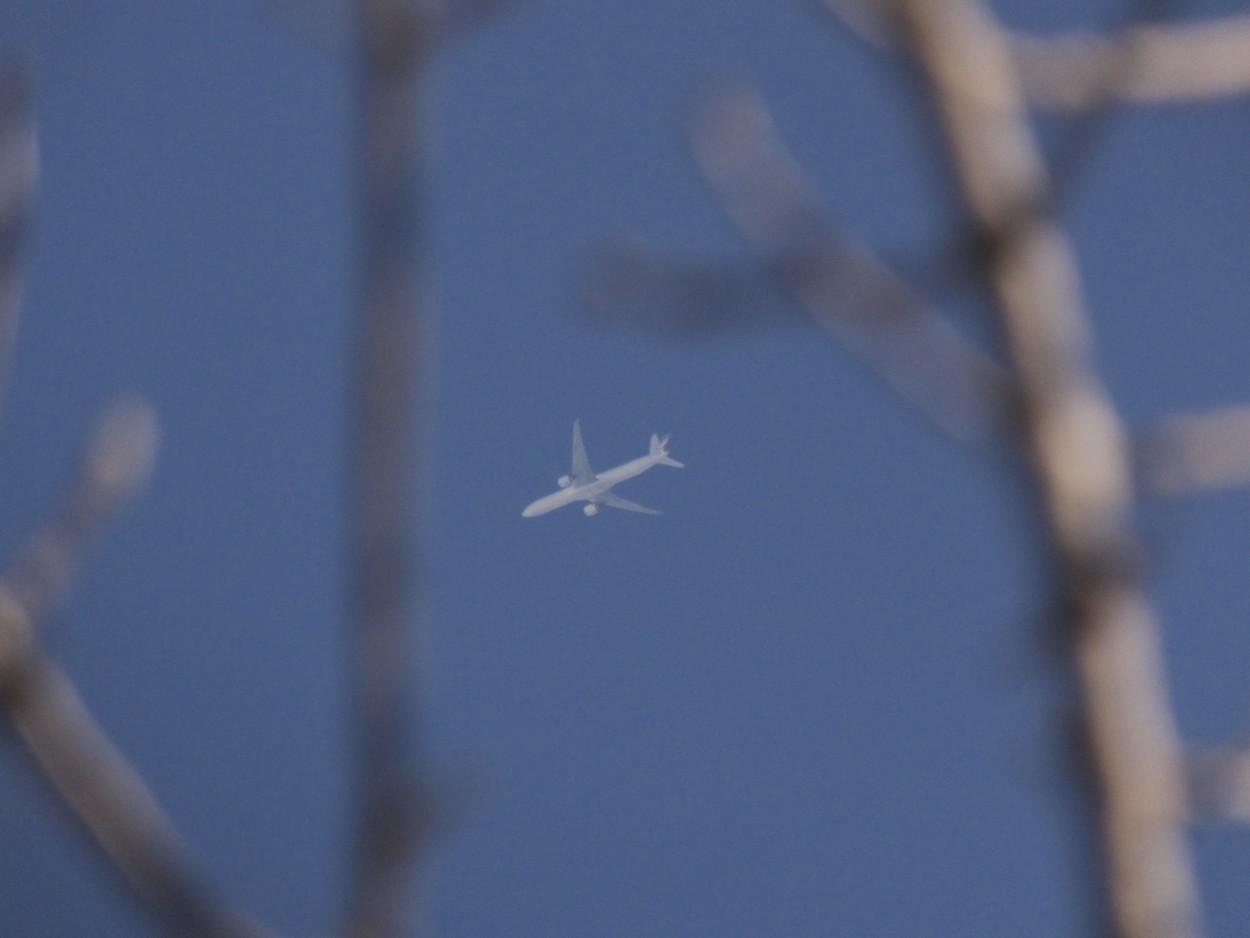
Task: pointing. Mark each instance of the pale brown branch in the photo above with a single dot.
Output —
(1198, 452)
(117, 463)
(631, 287)
(1147, 64)
(1077, 448)
(1219, 785)
(839, 282)
(869, 20)
(101, 790)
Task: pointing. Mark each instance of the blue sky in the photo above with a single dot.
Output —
(817, 696)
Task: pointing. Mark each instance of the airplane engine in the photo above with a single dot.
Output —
(591, 509)
(564, 482)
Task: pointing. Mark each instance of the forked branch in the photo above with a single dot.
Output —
(842, 285)
(101, 790)
(1077, 447)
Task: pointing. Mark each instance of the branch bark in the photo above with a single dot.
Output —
(19, 179)
(1199, 452)
(1176, 63)
(395, 37)
(94, 781)
(104, 793)
(1077, 449)
(914, 349)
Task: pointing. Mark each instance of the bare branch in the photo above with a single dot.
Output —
(332, 24)
(396, 39)
(1219, 785)
(100, 789)
(1077, 447)
(117, 463)
(917, 352)
(1198, 452)
(104, 792)
(19, 176)
(632, 288)
(1143, 65)
(869, 20)
(92, 778)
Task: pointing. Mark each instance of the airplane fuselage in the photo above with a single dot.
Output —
(577, 493)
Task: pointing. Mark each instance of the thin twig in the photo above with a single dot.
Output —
(630, 287)
(1077, 448)
(19, 177)
(1219, 785)
(1152, 64)
(117, 464)
(385, 565)
(94, 781)
(1193, 453)
(839, 282)
(869, 20)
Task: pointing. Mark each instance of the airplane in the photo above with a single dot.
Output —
(582, 485)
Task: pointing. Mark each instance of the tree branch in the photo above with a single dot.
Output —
(116, 464)
(104, 792)
(19, 177)
(842, 285)
(1148, 64)
(1198, 452)
(396, 39)
(1077, 449)
(1219, 785)
(92, 778)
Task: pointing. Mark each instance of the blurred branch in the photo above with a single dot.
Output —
(1138, 64)
(1147, 64)
(869, 20)
(103, 791)
(333, 24)
(917, 352)
(390, 42)
(1077, 449)
(396, 39)
(117, 463)
(19, 176)
(1198, 452)
(1219, 785)
(92, 778)
(632, 288)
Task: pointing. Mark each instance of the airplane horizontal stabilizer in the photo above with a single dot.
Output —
(659, 451)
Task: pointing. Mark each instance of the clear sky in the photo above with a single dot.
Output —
(817, 696)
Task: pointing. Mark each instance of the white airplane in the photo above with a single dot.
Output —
(596, 490)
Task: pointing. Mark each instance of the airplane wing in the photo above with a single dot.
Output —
(582, 473)
(615, 501)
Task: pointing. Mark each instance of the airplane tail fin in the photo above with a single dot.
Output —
(659, 449)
